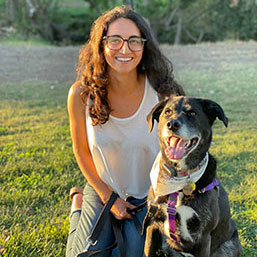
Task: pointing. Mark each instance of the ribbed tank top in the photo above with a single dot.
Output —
(124, 151)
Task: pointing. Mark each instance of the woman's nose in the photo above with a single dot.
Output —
(125, 47)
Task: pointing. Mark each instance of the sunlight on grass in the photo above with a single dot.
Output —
(18, 40)
(37, 169)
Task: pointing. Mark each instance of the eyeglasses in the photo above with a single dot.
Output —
(116, 42)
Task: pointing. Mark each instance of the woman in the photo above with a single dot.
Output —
(121, 73)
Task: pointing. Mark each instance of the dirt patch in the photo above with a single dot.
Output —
(22, 64)
(47, 64)
(211, 56)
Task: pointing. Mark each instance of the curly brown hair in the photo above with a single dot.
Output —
(92, 67)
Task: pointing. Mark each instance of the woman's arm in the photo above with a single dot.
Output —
(81, 150)
(82, 153)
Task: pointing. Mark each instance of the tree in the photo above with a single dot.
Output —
(172, 21)
(235, 19)
(132, 3)
(12, 7)
(32, 16)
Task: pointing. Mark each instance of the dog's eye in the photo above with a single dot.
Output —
(168, 111)
(191, 113)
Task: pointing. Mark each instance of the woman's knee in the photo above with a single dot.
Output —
(79, 232)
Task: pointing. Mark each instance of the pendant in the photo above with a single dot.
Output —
(189, 188)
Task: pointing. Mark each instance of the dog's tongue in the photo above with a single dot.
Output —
(176, 150)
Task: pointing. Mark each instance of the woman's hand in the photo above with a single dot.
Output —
(119, 209)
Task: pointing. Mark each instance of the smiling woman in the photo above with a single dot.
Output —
(121, 72)
(119, 55)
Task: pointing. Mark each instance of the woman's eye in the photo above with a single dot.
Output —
(115, 41)
(135, 41)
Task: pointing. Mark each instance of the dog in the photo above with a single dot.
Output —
(188, 209)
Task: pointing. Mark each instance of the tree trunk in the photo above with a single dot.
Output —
(179, 27)
(31, 8)
(145, 3)
(12, 7)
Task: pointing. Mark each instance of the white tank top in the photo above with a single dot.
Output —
(124, 151)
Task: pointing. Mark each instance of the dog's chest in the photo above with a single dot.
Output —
(187, 222)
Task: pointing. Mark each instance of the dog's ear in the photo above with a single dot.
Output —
(213, 111)
(155, 113)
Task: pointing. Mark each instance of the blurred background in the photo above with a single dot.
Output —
(66, 22)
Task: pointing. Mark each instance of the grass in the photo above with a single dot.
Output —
(18, 40)
(38, 167)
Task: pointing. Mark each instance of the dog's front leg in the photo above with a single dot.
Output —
(205, 246)
(153, 241)
(203, 250)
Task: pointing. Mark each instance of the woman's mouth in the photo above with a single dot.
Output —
(123, 59)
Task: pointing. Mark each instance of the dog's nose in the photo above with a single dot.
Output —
(174, 125)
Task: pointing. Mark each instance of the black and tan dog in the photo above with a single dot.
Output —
(188, 211)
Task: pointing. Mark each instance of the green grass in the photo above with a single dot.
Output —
(18, 40)
(37, 166)
(37, 169)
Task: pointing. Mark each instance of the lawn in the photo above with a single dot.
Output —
(37, 166)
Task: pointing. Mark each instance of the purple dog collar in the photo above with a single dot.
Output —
(171, 209)
(213, 184)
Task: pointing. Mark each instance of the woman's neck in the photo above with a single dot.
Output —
(126, 83)
(125, 94)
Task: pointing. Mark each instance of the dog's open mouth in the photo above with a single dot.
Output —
(179, 147)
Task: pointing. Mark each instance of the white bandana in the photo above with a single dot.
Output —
(164, 186)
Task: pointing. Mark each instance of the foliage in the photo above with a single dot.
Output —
(32, 17)
(178, 21)
(234, 20)
(75, 24)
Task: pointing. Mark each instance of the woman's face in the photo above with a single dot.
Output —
(123, 60)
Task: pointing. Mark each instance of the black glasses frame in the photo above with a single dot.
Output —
(125, 40)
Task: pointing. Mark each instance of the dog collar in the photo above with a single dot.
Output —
(171, 209)
(164, 186)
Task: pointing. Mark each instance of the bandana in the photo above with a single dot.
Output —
(164, 186)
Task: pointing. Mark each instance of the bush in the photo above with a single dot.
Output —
(234, 20)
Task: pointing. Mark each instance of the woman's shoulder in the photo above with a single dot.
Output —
(74, 100)
(75, 89)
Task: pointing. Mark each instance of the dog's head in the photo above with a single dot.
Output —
(185, 128)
